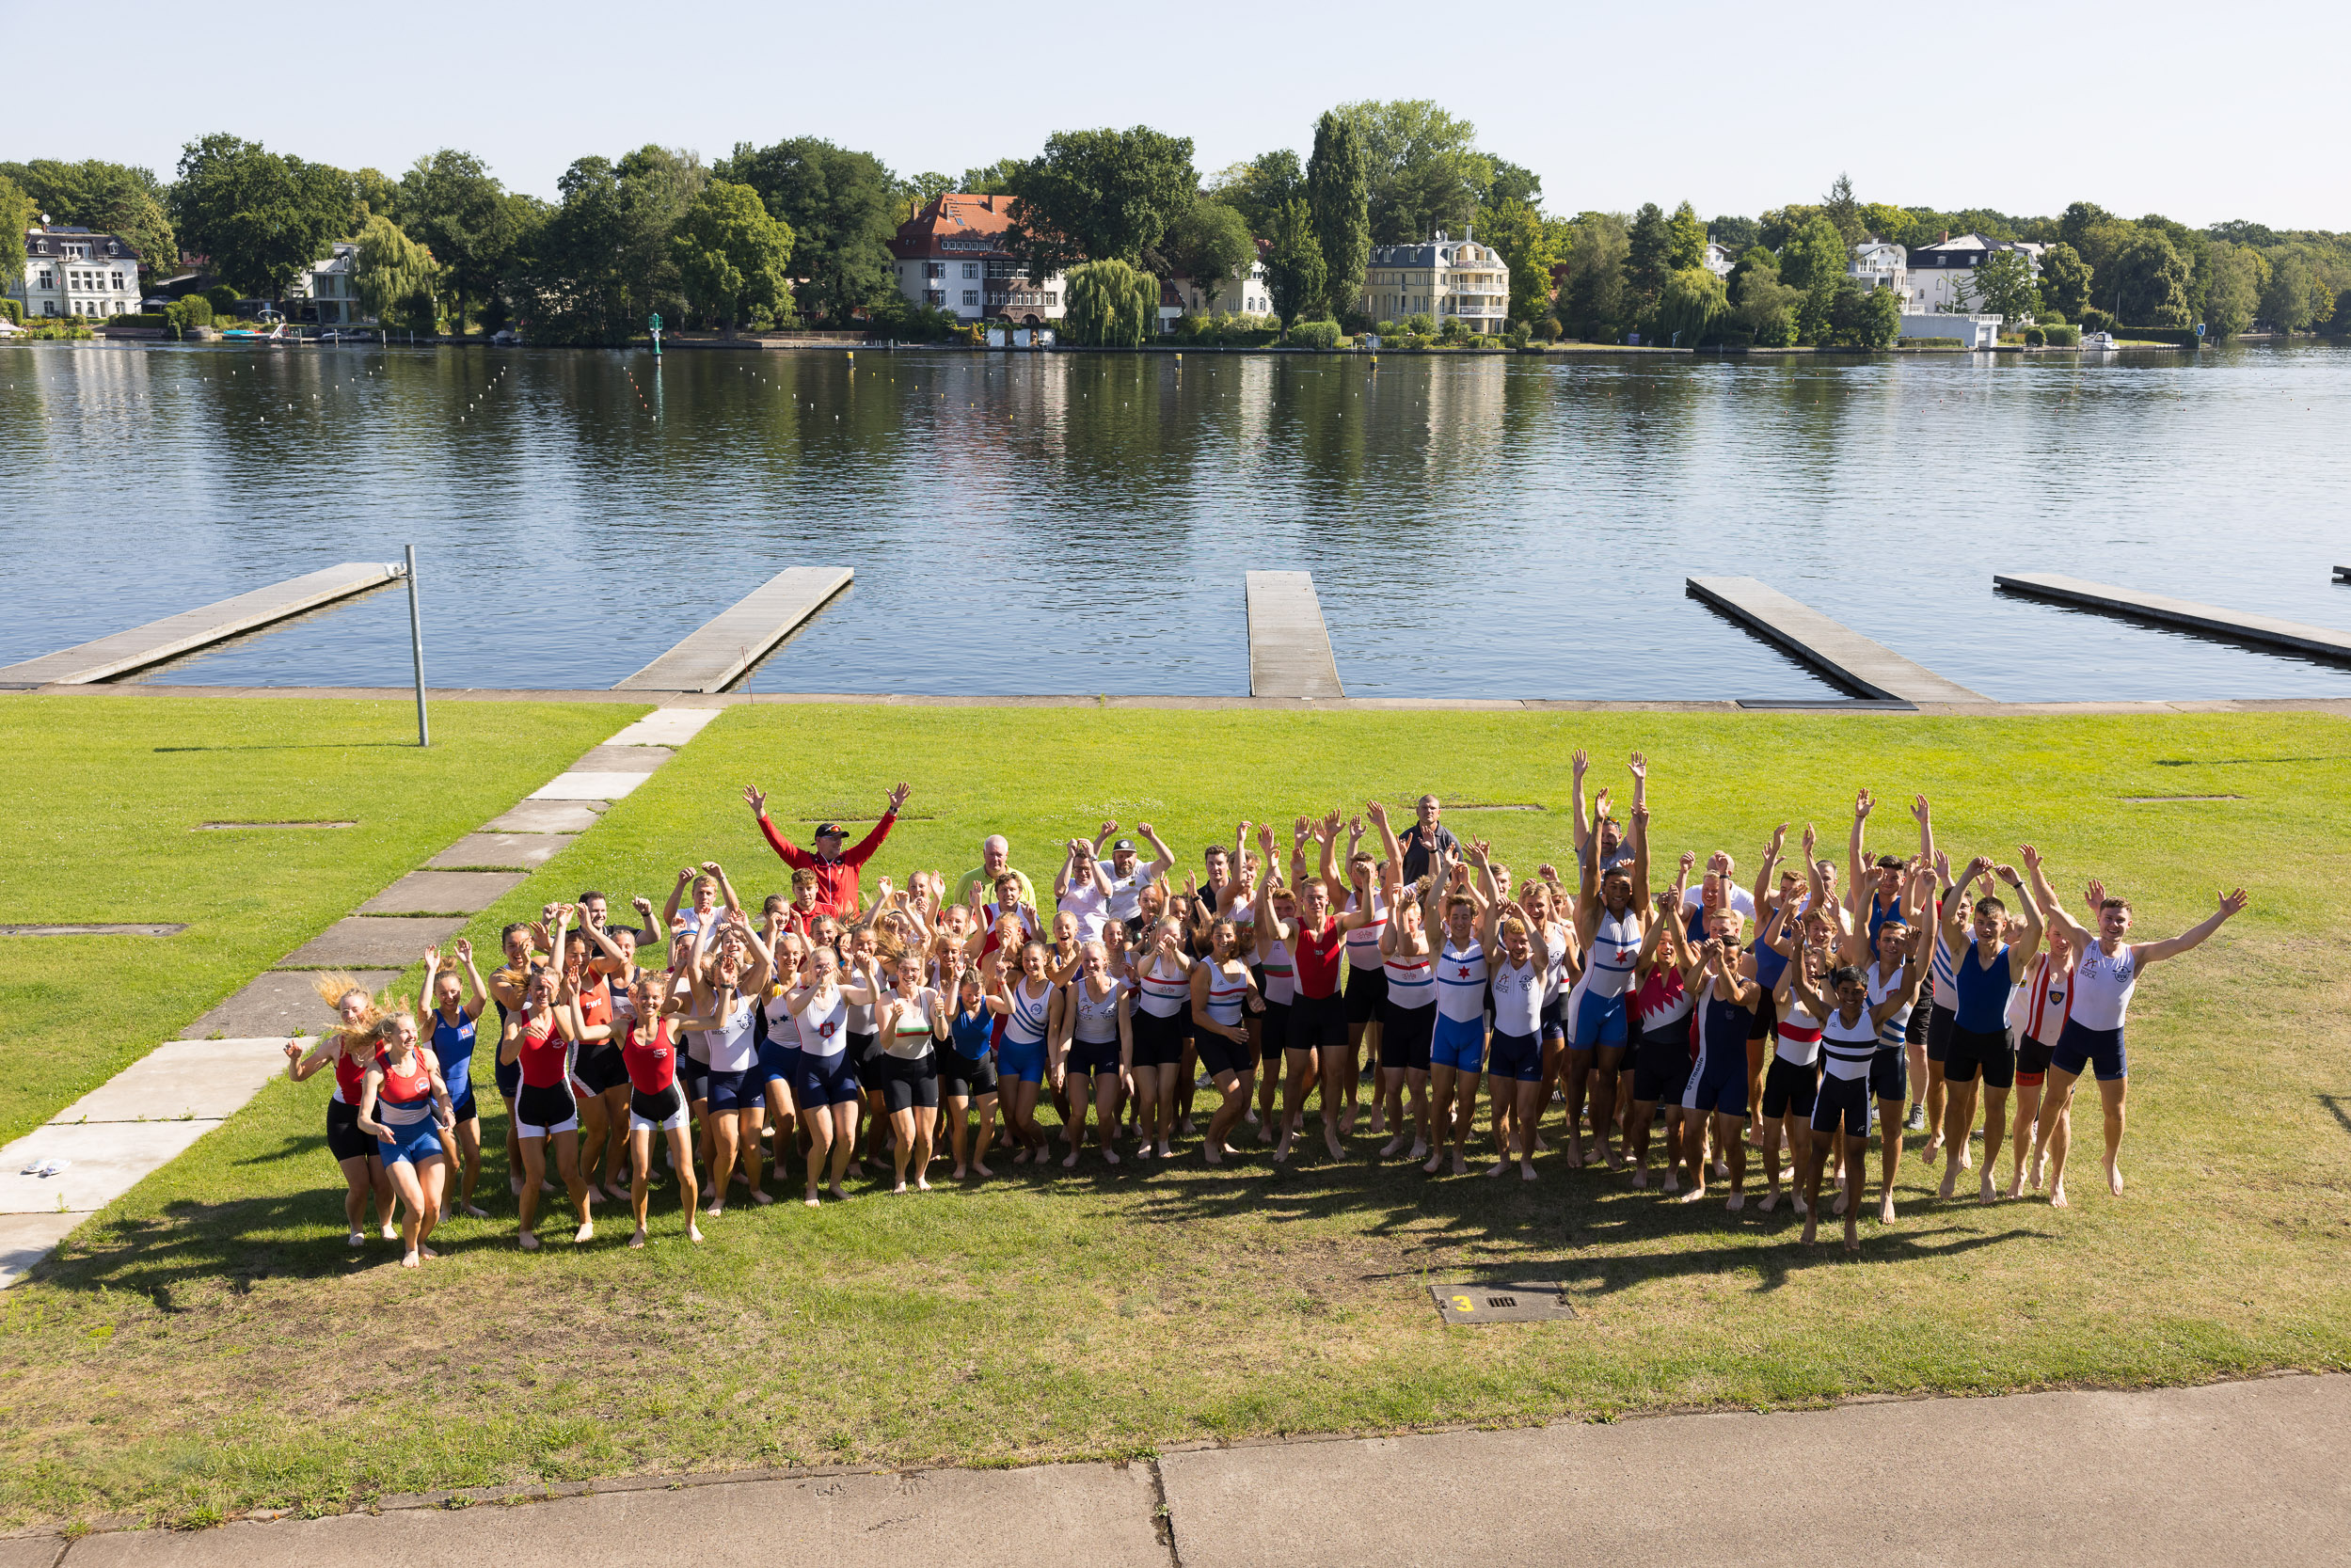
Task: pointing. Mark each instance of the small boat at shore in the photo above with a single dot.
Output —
(2099, 342)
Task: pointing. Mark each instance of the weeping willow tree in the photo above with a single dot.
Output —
(1693, 303)
(394, 277)
(1111, 304)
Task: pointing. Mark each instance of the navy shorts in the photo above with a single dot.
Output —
(1660, 1070)
(1554, 1018)
(1518, 1056)
(465, 1108)
(1843, 1102)
(1986, 1051)
(1404, 1037)
(1889, 1074)
(827, 1081)
(734, 1092)
(1717, 1084)
(1458, 1043)
(1787, 1086)
(2079, 1046)
(1091, 1057)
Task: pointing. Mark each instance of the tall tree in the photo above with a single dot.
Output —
(17, 210)
(1531, 247)
(1111, 304)
(1098, 196)
(453, 203)
(262, 217)
(602, 261)
(1813, 252)
(1261, 188)
(373, 192)
(1692, 303)
(2065, 280)
(2149, 281)
(927, 187)
(113, 198)
(1649, 243)
(1592, 294)
(1686, 239)
(1424, 169)
(1293, 269)
(990, 178)
(394, 277)
(1512, 182)
(2233, 293)
(2079, 219)
(1338, 187)
(841, 207)
(1840, 208)
(2286, 300)
(1211, 246)
(1737, 235)
(731, 257)
(2003, 286)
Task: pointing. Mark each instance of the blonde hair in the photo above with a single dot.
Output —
(334, 987)
(387, 1023)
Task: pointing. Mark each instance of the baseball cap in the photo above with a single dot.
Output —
(833, 827)
(1124, 846)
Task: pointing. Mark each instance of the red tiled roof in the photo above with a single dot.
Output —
(956, 223)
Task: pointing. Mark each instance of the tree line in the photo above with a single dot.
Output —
(797, 231)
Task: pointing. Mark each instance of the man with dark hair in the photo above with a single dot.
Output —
(836, 868)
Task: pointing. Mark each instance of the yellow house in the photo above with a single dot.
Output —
(1444, 278)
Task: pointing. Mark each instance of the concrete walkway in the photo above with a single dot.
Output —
(149, 1114)
(2247, 1473)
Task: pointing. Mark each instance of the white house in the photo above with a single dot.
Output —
(324, 293)
(951, 255)
(1972, 330)
(1719, 260)
(1936, 277)
(1444, 278)
(1879, 265)
(77, 271)
(1247, 295)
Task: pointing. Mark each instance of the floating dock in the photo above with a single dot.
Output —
(2235, 624)
(715, 656)
(2343, 574)
(153, 643)
(1836, 650)
(1289, 645)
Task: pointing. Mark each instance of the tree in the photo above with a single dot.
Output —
(1261, 188)
(732, 257)
(2079, 218)
(1511, 183)
(2232, 292)
(1098, 196)
(1648, 255)
(2285, 301)
(17, 210)
(113, 198)
(1111, 304)
(1337, 194)
(394, 277)
(928, 187)
(601, 262)
(990, 178)
(1293, 271)
(2065, 280)
(453, 203)
(2003, 286)
(1692, 303)
(1592, 291)
(1840, 208)
(262, 217)
(1530, 248)
(1686, 239)
(1767, 306)
(1735, 234)
(841, 208)
(2149, 282)
(1210, 244)
(372, 194)
(1814, 252)
(1879, 321)
(1424, 170)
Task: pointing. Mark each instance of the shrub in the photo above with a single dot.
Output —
(2095, 319)
(1930, 343)
(1419, 324)
(14, 309)
(1386, 330)
(220, 299)
(2048, 318)
(1322, 334)
(2060, 336)
(144, 318)
(2036, 338)
(1550, 329)
(195, 310)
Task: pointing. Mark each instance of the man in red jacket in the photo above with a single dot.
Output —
(836, 868)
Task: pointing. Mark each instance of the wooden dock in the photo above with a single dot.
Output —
(2237, 625)
(1289, 645)
(167, 639)
(1835, 650)
(2343, 574)
(715, 656)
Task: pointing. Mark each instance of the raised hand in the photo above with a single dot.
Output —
(1638, 765)
(1548, 872)
(710, 868)
(1779, 838)
(2233, 903)
(1943, 866)
(1331, 824)
(642, 905)
(432, 959)
(1599, 804)
(755, 799)
(1918, 810)
(1355, 827)
(2031, 856)
(2008, 874)
(465, 951)
(1266, 838)
(1378, 812)
(897, 798)
(1811, 838)
(1689, 859)
(1583, 764)
(1863, 804)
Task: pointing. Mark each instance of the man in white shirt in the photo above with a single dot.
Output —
(1128, 876)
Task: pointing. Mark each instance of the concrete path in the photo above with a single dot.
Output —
(153, 643)
(2236, 625)
(147, 1115)
(1869, 667)
(1289, 645)
(714, 656)
(2247, 1473)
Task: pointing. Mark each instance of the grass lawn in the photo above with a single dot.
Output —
(208, 1345)
(108, 793)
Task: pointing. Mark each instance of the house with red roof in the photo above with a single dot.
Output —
(951, 255)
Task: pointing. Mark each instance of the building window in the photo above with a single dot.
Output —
(934, 269)
(971, 269)
(971, 296)
(1053, 297)
(934, 296)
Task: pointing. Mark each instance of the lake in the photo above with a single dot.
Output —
(1019, 523)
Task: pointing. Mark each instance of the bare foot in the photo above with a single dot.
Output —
(1935, 1146)
(1838, 1207)
(1692, 1195)
(1852, 1241)
(1950, 1180)
(1738, 1201)
(1796, 1201)
(1641, 1177)
(1672, 1180)
(636, 1240)
(1393, 1147)
(694, 1231)
(1526, 1170)
(1499, 1166)
(1461, 1163)
(899, 1190)
(2040, 1168)
(835, 1193)
(392, 1231)
(1266, 1132)
(527, 1241)
(1420, 1147)
(408, 1260)
(1070, 1164)
(1812, 1230)
(427, 1253)
(1575, 1153)
(1281, 1150)
(2114, 1179)
(810, 1199)
(1967, 1158)
(1885, 1210)
(712, 1210)
(1616, 1160)
(1771, 1201)
(1723, 1169)
(2057, 1196)
(1989, 1192)
(1021, 1158)
(1109, 1155)
(2016, 1184)
(762, 1196)
(584, 1234)
(978, 1169)
(1436, 1161)
(1212, 1153)
(1331, 1145)
(1164, 1152)
(480, 1214)
(959, 1173)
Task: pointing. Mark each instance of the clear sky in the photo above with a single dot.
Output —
(2200, 113)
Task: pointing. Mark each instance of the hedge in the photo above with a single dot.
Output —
(1314, 335)
(2178, 337)
(2060, 336)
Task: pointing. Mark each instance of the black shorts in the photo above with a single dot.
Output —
(1273, 1032)
(866, 1052)
(961, 1078)
(1788, 1088)
(344, 1140)
(1367, 989)
(1767, 1017)
(1843, 1102)
(1941, 1021)
(1220, 1055)
(1662, 1066)
(1159, 1041)
(694, 1078)
(656, 1108)
(1404, 1037)
(462, 1109)
(1915, 1032)
(548, 1107)
(1988, 1051)
(909, 1081)
(601, 1070)
(1317, 1022)
(1889, 1074)
(1091, 1057)
(2032, 1062)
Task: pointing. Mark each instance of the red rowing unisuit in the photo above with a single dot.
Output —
(1317, 955)
(652, 1063)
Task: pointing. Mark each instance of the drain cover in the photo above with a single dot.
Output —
(1523, 1302)
(91, 931)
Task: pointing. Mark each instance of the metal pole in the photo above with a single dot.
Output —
(416, 646)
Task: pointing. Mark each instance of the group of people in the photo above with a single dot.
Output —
(1782, 1016)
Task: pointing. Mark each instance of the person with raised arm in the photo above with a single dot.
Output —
(829, 1094)
(1130, 874)
(1081, 889)
(537, 1041)
(1030, 1005)
(914, 1022)
(404, 1104)
(967, 1068)
(1453, 905)
(1851, 1026)
(2106, 973)
(1222, 994)
(452, 1012)
(1724, 992)
(1365, 888)
(1896, 954)
(2037, 1014)
(1096, 1050)
(657, 1103)
(1610, 910)
(1602, 825)
(1984, 971)
(730, 974)
(1519, 975)
(1316, 941)
(836, 868)
(1662, 1062)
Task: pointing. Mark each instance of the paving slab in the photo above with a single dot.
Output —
(282, 1005)
(512, 851)
(613, 757)
(25, 1240)
(153, 643)
(584, 785)
(1289, 645)
(714, 656)
(1094, 1515)
(666, 726)
(444, 893)
(209, 1080)
(2233, 1473)
(1869, 667)
(104, 1160)
(373, 940)
(547, 817)
(2236, 625)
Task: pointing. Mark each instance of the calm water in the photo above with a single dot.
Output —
(1481, 528)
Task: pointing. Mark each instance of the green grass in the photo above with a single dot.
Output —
(106, 793)
(209, 1345)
